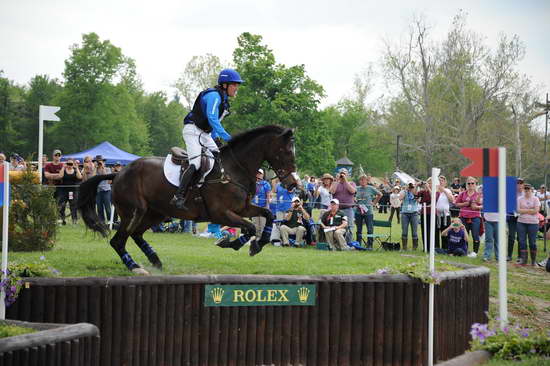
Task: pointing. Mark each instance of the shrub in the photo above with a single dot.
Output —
(33, 215)
(512, 342)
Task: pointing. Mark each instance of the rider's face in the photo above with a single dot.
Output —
(232, 89)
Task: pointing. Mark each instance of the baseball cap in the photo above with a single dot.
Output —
(118, 163)
(260, 170)
(57, 151)
(335, 200)
(295, 198)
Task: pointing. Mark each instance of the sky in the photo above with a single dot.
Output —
(335, 40)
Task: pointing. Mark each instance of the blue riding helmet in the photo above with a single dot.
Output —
(229, 76)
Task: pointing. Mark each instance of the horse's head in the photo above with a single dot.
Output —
(281, 157)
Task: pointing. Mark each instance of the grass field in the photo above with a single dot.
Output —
(80, 253)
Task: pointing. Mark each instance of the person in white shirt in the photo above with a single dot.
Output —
(395, 203)
(322, 189)
(443, 198)
(544, 197)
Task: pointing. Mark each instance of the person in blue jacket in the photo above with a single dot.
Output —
(203, 125)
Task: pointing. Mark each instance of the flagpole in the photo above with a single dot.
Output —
(435, 180)
(40, 143)
(5, 212)
(502, 249)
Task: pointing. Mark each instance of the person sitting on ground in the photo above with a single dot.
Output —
(334, 222)
(457, 239)
(293, 223)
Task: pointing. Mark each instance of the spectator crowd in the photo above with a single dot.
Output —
(345, 208)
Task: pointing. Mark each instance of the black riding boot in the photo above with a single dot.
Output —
(186, 181)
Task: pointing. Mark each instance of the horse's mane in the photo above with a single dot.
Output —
(246, 136)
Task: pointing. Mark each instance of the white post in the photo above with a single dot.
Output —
(45, 113)
(502, 291)
(112, 217)
(5, 227)
(435, 181)
(425, 236)
(40, 143)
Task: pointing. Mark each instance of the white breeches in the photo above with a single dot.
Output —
(194, 139)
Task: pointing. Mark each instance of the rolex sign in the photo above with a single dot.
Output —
(259, 295)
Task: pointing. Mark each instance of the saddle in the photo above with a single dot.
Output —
(179, 157)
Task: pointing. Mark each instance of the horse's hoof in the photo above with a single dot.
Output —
(223, 242)
(140, 271)
(158, 265)
(255, 248)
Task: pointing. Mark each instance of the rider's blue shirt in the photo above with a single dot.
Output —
(210, 104)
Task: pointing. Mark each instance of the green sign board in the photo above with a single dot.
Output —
(259, 295)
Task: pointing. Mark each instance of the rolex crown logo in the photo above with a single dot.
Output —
(217, 294)
(303, 294)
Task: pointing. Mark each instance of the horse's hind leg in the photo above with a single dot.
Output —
(147, 221)
(118, 242)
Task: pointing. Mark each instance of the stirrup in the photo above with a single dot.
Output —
(179, 202)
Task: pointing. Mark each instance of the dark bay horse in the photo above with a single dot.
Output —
(141, 193)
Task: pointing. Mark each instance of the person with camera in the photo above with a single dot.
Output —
(344, 191)
(103, 198)
(409, 215)
(71, 177)
(294, 222)
(334, 223)
(469, 202)
(367, 197)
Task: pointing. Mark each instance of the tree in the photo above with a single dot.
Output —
(99, 99)
(276, 94)
(11, 113)
(165, 122)
(201, 72)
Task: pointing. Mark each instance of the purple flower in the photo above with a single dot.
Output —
(42, 258)
(383, 271)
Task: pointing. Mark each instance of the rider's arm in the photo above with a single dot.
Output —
(212, 103)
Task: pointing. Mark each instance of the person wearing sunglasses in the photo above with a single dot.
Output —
(71, 177)
(470, 206)
(528, 224)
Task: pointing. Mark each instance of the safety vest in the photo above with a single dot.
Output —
(197, 115)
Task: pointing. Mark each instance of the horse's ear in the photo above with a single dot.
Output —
(287, 133)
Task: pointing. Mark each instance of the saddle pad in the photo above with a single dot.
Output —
(172, 172)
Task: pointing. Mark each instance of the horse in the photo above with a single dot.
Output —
(141, 193)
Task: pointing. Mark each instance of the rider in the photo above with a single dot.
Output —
(203, 124)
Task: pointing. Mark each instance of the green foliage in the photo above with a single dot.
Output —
(32, 269)
(420, 270)
(13, 330)
(165, 121)
(98, 102)
(33, 215)
(276, 94)
(512, 342)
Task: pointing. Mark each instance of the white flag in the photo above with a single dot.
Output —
(47, 113)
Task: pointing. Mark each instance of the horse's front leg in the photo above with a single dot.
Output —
(248, 230)
(255, 245)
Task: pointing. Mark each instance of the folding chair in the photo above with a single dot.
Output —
(379, 239)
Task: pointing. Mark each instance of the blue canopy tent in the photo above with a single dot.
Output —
(110, 152)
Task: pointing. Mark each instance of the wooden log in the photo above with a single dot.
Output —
(161, 325)
(171, 312)
(324, 324)
(106, 324)
(116, 343)
(357, 341)
(397, 339)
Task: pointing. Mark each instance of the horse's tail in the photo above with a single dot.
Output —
(86, 203)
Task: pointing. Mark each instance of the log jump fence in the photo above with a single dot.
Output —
(356, 319)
